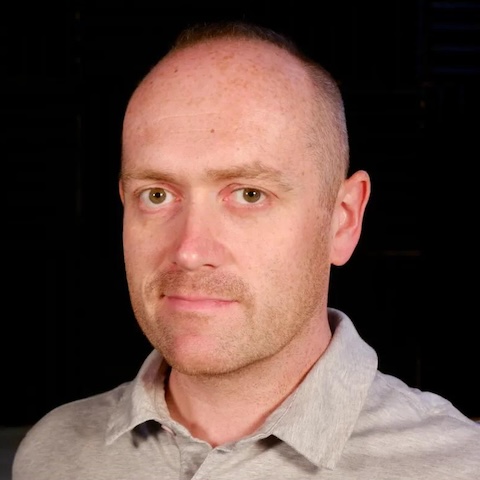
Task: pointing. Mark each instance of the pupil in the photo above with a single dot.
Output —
(251, 194)
(158, 195)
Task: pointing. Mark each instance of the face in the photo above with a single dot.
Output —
(226, 240)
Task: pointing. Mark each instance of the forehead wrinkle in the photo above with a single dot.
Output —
(209, 119)
(256, 171)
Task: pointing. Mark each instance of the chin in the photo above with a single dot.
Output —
(204, 362)
(199, 369)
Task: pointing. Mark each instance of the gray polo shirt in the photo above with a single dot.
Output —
(345, 421)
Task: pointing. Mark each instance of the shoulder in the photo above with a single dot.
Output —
(58, 437)
(417, 432)
(393, 397)
(84, 417)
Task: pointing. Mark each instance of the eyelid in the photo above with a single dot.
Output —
(239, 190)
(144, 196)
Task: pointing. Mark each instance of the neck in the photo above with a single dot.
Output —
(245, 398)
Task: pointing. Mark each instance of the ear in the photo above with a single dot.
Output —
(348, 215)
(120, 191)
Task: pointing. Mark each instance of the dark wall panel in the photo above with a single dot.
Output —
(409, 73)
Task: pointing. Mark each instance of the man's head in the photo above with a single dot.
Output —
(235, 156)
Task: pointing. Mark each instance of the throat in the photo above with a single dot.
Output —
(221, 411)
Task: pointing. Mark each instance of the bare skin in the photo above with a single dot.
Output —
(228, 243)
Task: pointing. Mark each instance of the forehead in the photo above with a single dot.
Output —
(228, 76)
(225, 101)
(205, 145)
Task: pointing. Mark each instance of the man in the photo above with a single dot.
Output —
(237, 202)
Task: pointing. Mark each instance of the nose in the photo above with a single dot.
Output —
(197, 239)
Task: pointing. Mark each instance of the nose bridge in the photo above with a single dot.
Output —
(197, 243)
(196, 221)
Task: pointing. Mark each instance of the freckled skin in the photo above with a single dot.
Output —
(238, 106)
(280, 254)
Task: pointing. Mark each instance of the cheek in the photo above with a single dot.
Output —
(271, 258)
(143, 234)
(303, 251)
(141, 248)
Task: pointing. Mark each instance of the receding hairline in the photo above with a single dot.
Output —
(327, 93)
(326, 133)
(202, 32)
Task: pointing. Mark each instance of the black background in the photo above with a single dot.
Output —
(409, 71)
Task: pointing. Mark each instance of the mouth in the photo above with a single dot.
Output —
(195, 302)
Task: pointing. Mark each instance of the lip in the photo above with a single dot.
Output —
(196, 302)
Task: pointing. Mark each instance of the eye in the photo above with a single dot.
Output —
(248, 195)
(156, 196)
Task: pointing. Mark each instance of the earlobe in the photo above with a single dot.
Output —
(348, 216)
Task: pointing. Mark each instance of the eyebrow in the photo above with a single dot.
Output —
(254, 171)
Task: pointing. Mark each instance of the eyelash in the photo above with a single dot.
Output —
(262, 195)
(147, 196)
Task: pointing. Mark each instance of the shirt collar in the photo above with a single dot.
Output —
(138, 401)
(321, 414)
(316, 420)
